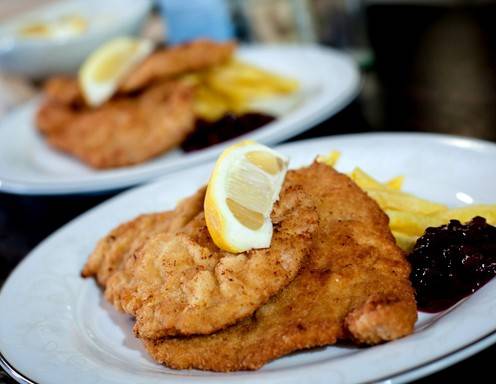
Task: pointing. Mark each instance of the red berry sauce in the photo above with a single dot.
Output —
(451, 262)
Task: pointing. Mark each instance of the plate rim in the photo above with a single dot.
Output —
(426, 368)
(417, 372)
(119, 182)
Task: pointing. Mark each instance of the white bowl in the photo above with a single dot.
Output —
(39, 58)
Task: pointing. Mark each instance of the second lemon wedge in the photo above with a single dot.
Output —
(100, 74)
(242, 190)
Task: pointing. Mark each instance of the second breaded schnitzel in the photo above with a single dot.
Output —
(354, 286)
(124, 130)
(182, 283)
(177, 60)
(151, 113)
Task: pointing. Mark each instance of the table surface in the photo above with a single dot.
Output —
(449, 86)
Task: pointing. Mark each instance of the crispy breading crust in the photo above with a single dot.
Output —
(121, 243)
(354, 286)
(53, 117)
(163, 64)
(151, 113)
(123, 131)
(174, 61)
(64, 90)
(181, 283)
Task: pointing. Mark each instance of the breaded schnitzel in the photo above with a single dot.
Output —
(121, 243)
(151, 113)
(182, 283)
(63, 90)
(124, 130)
(354, 286)
(171, 62)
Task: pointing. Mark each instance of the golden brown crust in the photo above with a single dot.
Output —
(382, 318)
(121, 243)
(64, 90)
(123, 131)
(163, 64)
(181, 283)
(52, 117)
(171, 62)
(354, 286)
(151, 113)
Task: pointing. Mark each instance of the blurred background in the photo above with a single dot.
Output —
(426, 65)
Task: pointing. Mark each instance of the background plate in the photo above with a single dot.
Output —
(329, 81)
(57, 328)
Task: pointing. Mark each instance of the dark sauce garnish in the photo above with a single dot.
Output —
(451, 262)
(228, 127)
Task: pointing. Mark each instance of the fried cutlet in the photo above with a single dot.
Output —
(181, 283)
(175, 61)
(121, 243)
(354, 286)
(151, 113)
(63, 90)
(124, 130)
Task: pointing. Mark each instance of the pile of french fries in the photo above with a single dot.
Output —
(232, 87)
(409, 215)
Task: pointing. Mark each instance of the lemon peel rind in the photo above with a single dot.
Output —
(104, 91)
(236, 237)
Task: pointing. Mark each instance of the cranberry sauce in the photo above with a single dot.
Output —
(451, 262)
(228, 127)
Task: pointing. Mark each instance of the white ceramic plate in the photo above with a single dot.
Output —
(57, 328)
(329, 80)
(39, 58)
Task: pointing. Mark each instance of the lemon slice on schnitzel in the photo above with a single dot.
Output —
(242, 190)
(100, 74)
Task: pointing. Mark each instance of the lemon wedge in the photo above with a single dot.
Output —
(100, 74)
(245, 184)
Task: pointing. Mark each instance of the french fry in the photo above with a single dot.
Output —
(330, 159)
(252, 76)
(402, 201)
(409, 216)
(364, 180)
(396, 183)
(464, 214)
(232, 87)
(412, 223)
(404, 241)
(415, 224)
(209, 105)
